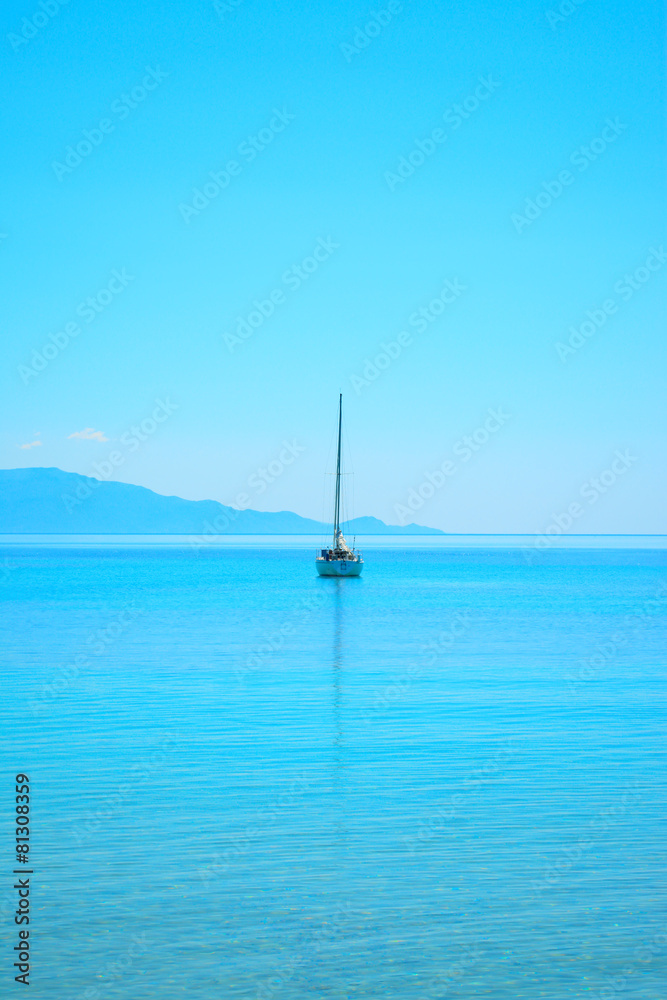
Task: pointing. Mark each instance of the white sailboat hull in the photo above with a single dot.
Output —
(339, 567)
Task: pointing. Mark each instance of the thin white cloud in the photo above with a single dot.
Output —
(31, 444)
(88, 435)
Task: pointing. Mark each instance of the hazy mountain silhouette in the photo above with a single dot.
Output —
(50, 501)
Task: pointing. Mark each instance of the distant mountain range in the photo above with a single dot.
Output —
(50, 501)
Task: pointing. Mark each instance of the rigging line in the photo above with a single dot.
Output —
(327, 495)
(347, 507)
(351, 509)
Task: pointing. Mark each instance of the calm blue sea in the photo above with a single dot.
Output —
(442, 779)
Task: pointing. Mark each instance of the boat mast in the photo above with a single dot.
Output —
(337, 501)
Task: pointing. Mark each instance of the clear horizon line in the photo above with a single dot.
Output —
(380, 534)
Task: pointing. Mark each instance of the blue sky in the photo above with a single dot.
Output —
(332, 124)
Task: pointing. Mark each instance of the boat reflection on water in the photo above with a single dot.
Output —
(337, 661)
(339, 783)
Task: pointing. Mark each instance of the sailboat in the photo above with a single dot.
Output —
(340, 559)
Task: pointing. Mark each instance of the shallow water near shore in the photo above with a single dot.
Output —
(444, 778)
